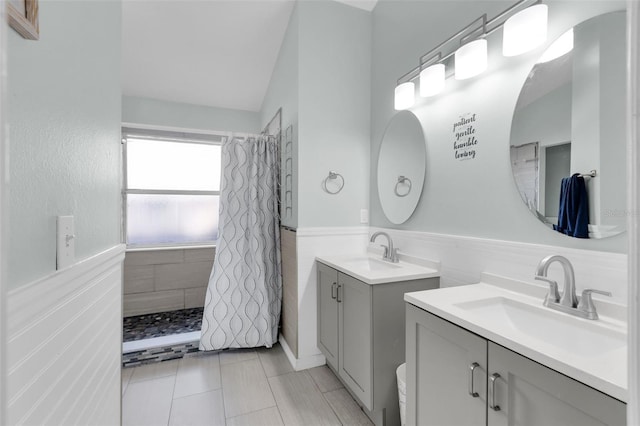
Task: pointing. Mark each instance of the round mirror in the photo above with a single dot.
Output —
(401, 167)
(568, 131)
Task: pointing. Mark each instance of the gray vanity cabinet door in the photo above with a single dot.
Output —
(529, 393)
(328, 313)
(440, 356)
(354, 301)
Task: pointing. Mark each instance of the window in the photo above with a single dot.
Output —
(171, 188)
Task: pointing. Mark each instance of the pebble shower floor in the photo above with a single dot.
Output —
(160, 324)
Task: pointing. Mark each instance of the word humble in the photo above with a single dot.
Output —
(464, 139)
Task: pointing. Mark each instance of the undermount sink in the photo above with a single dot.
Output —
(588, 338)
(374, 270)
(370, 264)
(511, 313)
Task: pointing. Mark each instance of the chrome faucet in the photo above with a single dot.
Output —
(568, 297)
(390, 254)
(568, 302)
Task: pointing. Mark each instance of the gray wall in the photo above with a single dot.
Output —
(334, 111)
(476, 197)
(64, 135)
(174, 114)
(612, 87)
(283, 93)
(322, 82)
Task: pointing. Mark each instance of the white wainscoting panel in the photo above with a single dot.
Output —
(463, 259)
(312, 242)
(64, 345)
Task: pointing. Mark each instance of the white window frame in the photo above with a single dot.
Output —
(168, 134)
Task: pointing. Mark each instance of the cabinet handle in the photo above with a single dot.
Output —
(472, 368)
(338, 293)
(492, 392)
(334, 290)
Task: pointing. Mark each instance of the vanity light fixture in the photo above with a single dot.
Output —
(471, 59)
(405, 95)
(432, 80)
(525, 26)
(525, 30)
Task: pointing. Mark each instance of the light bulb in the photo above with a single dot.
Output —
(471, 59)
(432, 80)
(525, 30)
(404, 95)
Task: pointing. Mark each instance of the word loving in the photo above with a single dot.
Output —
(464, 139)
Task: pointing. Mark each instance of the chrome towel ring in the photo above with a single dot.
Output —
(402, 180)
(333, 176)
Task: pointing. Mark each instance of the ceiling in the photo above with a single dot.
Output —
(218, 53)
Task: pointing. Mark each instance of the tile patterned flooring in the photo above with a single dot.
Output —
(235, 388)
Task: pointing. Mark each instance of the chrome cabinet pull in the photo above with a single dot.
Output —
(472, 368)
(334, 290)
(338, 293)
(492, 392)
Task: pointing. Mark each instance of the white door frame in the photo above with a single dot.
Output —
(3, 213)
(633, 216)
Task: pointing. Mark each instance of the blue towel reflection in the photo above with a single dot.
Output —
(573, 214)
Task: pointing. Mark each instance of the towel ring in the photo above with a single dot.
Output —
(402, 179)
(333, 176)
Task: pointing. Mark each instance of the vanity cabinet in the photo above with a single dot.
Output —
(361, 334)
(456, 377)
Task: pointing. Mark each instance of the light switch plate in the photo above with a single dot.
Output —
(66, 245)
(364, 216)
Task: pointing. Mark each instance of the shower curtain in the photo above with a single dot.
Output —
(244, 296)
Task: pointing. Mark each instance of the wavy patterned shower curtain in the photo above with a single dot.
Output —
(244, 297)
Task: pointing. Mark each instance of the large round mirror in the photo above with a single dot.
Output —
(568, 131)
(401, 167)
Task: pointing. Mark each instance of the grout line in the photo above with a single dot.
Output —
(240, 360)
(279, 414)
(224, 408)
(153, 378)
(273, 395)
(333, 409)
(200, 392)
(175, 379)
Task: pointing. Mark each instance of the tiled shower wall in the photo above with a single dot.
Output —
(166, 280)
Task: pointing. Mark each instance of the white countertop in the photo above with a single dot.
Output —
(371, 269)
(604, 370)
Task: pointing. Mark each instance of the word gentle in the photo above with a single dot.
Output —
(464, 138)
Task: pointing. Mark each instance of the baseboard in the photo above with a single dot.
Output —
(300, 364)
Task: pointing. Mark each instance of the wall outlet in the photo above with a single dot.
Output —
(66, 245)
(364, 216)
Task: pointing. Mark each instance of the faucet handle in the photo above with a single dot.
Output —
(393, 256)
(553, 296)
(385, 255)
(586, 302)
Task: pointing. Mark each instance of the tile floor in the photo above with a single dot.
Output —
(239, 388)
